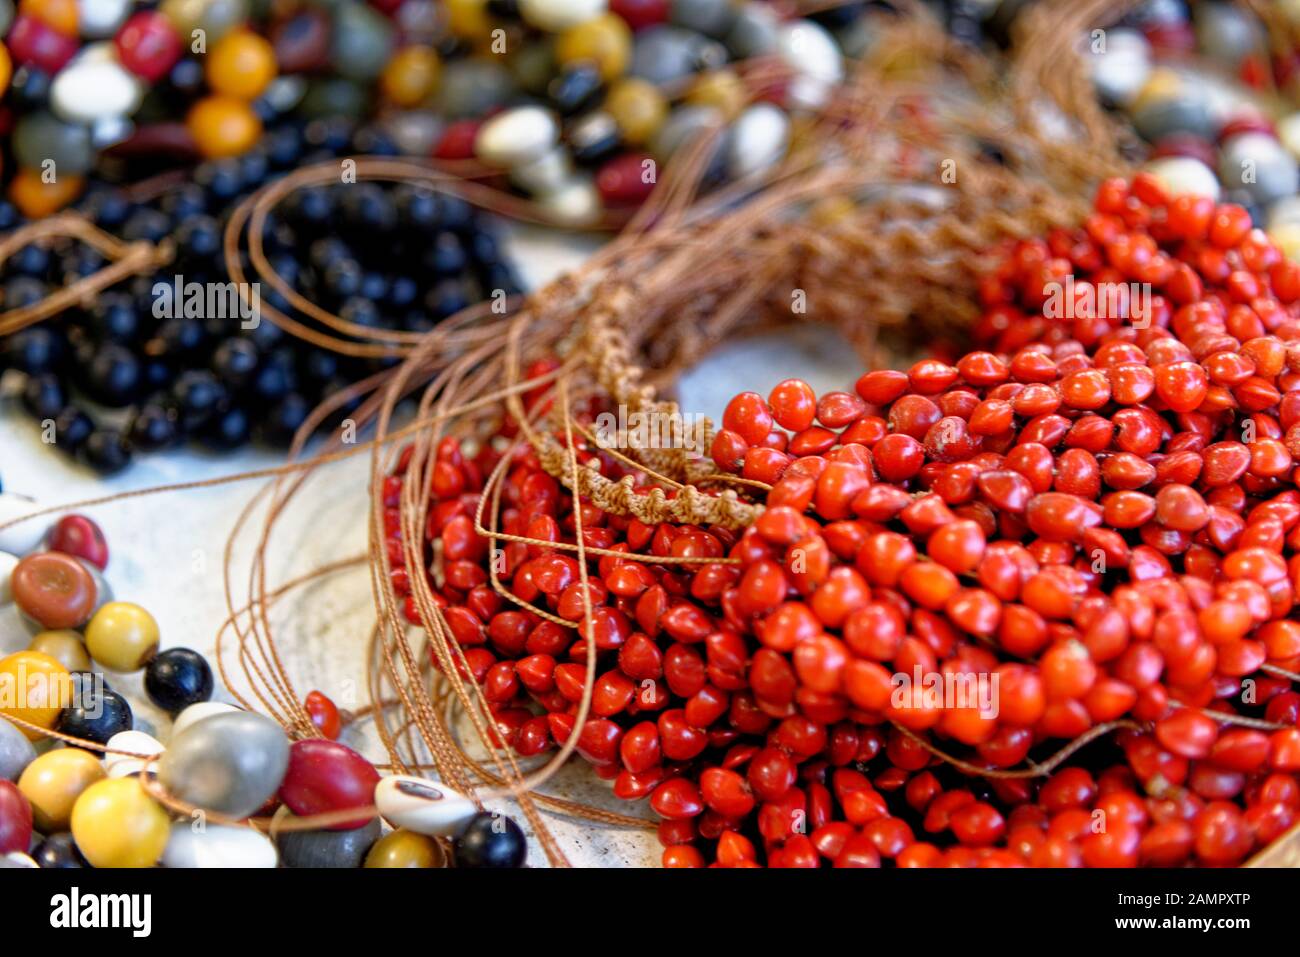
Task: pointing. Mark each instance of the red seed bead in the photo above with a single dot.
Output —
(747, 415)
(793, 404)
(325, 776)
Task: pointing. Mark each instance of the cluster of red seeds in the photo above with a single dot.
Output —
(1100, 511)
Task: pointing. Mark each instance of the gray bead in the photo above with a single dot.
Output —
(42, 136)
(327, 848)
(1185, 113)
(1226, 32)
(534, 66)
(362, 42)
(753, 32)
(711, 17)
(758, 141)
(681, 127)
(1120, 70)
(6, 15)
(16, 752)
(1260, 165)
(471, 88)
(229, 763)
(663, 54)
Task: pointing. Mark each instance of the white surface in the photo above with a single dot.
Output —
(166, 550)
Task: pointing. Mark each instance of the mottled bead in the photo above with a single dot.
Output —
(422, 806)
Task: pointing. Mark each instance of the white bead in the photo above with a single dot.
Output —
(517, 136)
(218, 845)
(99, 19)
(1184, 174)
(758, 140)
(197, 712)
(137, 742)
(94, 88)
(814, 56)
(25, 537)
(545, 174)
(577, 203)
(557, 15)
(421, 805)
(1120, 70)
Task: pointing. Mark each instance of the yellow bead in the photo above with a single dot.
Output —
(115, 824)
(403, 848)
(468, 19)
(33, 687)
(241, 64)
(722, 89)
(1162, 84)
(37, 199)
(638, 108)
(59, 15)
(411, 75)
(1287, 237)
(122, 636)
(6, 69)
(223, 126)
(605, 40)
(53, 782)
(64, 646)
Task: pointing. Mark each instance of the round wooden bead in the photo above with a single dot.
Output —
(16, 752)
(241, 64)
(326, 848)
(402, 848)
(34, 688)
(135, 742)
(116, 824)
(223, 126)
(325, 776)
(54, 781)
(217, 845)
(54, 590)
(423, 806)
(197, 712)
(64, 646)
(229, 763)
(122, 636)
(15, 820)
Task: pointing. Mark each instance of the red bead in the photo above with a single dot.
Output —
(148, 45)
(626, 180)
(325, 776)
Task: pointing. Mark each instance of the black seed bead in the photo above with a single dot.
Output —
(198, 396)
(276, 377)
(418, 209)
(221, 178)
(21, 291)
(96, 716)
(35, 349)
(285, 417)
(189, 200)
(446, 255)
(105, 451)
(283, 146)
(367, 206)
(155, 426)
(30, 261)
(360, 311)
(491, 840)
(44, 396)
(177, 678)
(576, 88)
(9, 215)
(149, 224)
(113, 376)
(187, 75)
(402, 292)
(235, 362)
(179, 337)
(343, 278)
(72, 427)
